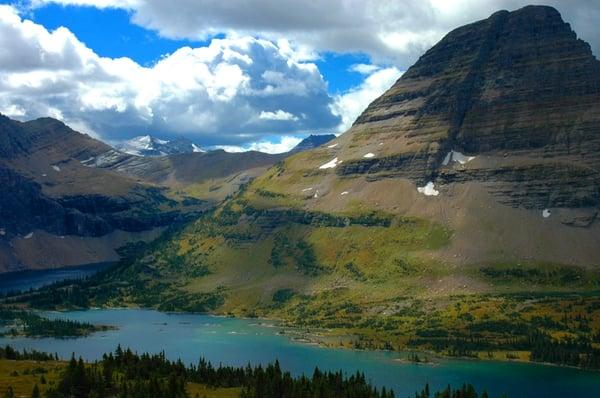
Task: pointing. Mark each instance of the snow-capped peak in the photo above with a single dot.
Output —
(147, 145)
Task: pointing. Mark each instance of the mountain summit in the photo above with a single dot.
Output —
(312, 141)
(148, 145)
(518, 92)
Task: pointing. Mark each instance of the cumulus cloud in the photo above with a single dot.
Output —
(278, 115)
(363, 69)
(349, 106)
(229, 92)
(390, 31)
(280, 145)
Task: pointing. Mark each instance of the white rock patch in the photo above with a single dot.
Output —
(330, 165)
(369, 155)
(89, 160)
(332, 145)
(454, 156)
(55, 167)
(344, 193)
(428, 190)
(546, 213)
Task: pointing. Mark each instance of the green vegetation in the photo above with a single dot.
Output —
(126, 374)
(364, 279)
(27, 323)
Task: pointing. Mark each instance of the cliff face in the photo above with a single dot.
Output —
(518, 90)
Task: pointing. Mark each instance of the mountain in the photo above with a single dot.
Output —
(69, 199)
(312, 141)
(458, 213)
(151, 146)
(499, 124)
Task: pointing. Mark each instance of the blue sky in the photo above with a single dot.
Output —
(233, 74)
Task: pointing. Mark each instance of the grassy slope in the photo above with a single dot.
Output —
(371, 282)
(362, 277)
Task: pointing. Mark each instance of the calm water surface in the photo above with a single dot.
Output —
(239, 341)
(25, 280)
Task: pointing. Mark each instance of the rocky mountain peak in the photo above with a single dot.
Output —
(313, 141)
(148, 145)
(518, 90)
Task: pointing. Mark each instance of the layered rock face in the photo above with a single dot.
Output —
(517, 91)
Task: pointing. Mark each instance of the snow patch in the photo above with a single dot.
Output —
(307, 189)
(55, 167)
(332, 145)
(546, 213)
(344, 193)
(44, 175)
(428, 190)
(196, 148)
(316, 194)
(454, 156)
(85, 162)
(369, 155)
(28, 236)
(2, 232)
(330, 165)
(381, 143)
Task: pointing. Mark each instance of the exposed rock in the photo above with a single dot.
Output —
(312, 141)
(516, 84)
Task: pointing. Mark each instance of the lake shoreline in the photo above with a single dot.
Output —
(311, 338)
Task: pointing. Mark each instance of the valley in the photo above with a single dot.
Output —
(449, 236)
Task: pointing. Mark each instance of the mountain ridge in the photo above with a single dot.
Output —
(148, 145)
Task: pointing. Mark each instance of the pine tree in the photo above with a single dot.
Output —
(36, 392)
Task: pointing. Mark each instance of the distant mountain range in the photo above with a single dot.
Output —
(69, 199)
(148, 145)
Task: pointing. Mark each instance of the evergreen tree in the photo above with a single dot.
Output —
(36, 392)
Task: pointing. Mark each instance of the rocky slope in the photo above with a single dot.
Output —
(80, 199)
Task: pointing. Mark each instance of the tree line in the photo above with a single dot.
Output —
(125, 374)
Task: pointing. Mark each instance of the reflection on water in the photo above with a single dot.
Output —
(25, 280)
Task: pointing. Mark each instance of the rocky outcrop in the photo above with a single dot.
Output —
(24, 208)
(516, 84)
(312, 141)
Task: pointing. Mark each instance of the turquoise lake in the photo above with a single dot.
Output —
(239, 341)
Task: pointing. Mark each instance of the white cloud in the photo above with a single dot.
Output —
(349, 106)
(389, 31)
(285, 144)
(278, 115)
(215, 93)
(364, 69)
